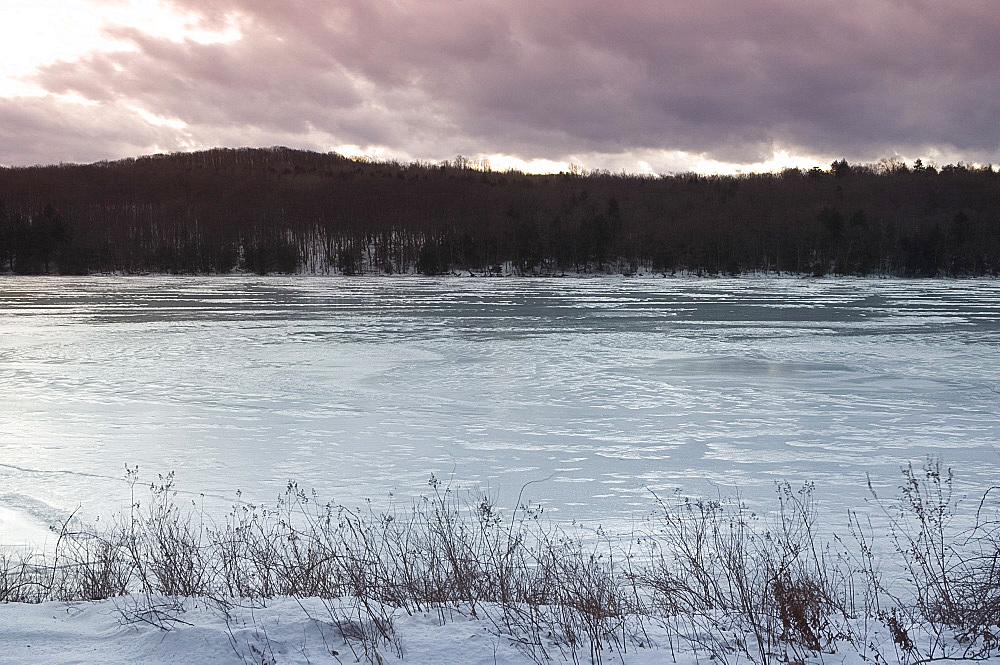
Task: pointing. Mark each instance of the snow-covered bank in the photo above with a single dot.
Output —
(460, 580)
(300, 632)
(285, 632)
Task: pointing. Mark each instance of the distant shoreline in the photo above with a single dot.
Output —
(289, 211)
(514, 276)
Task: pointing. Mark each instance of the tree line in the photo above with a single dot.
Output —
(277, 210)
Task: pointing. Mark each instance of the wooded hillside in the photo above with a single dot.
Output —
(282, 210)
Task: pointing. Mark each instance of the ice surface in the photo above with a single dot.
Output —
(606, 388)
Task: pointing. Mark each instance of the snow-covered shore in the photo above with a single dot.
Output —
(456, 580)
(299, 632)
(287, 631)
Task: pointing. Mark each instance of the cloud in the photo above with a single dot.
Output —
(46, 130)
(723, 81)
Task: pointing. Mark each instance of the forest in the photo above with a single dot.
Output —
(278, 210)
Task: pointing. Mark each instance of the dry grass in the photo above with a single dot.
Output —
(712, 575)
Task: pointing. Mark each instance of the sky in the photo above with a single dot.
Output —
(644, 86)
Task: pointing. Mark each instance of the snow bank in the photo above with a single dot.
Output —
(286, 631)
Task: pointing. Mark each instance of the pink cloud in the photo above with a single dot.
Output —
(725, 78)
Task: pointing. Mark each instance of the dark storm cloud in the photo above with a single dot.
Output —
(728, 79)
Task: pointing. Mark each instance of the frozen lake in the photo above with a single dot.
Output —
(602, 389)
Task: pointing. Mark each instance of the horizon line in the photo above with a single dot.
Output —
(484, 164)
